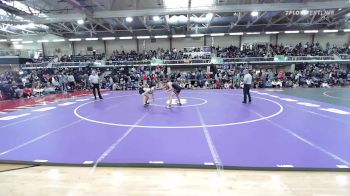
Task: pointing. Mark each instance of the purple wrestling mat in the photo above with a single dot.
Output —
(211, 129)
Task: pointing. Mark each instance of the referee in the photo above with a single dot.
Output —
(94, 80)
(247, 81)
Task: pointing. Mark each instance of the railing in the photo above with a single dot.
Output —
(248, 59)
(56, 65)
(344, 56)
(195, 62)
(309, 58)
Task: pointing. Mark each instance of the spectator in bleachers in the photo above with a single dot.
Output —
(305, 75)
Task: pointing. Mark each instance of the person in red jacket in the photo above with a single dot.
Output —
(27, 92)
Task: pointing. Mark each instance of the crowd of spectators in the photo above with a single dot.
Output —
(307, 75)
(39, 82)
(246, 50)
(269, 50)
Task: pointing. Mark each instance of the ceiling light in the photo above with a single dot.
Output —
(217, 34)
(290, 32)
(18, 46)
(143, 37)
(27, 42)
(201, 3)
(253, 33)
(91, 39)
(80, 21)
(271, 32)
(254, 13)
(156, 18)
(346, 30)
(178, 36)
(31, 25)
(311, 31)
(108, 38)
(175, 4)
(74, 39)
(240, 33)
(16, 40)
(43, 40)
(197, 35)
(3, 40)
(304, 12)
(209, 15)
(330, 31)
(128, 19)
(125, 37)
(161, 36)
(58, 40)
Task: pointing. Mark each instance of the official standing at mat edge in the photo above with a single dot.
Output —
(94, 80)
(247, 81)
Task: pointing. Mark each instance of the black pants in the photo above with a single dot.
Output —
(246, 89)
(94, 87)
(72, 85)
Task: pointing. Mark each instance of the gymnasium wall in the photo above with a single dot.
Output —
(50, 48)
(223, 41)
(180, 43)
(294, 39)
(58, 48)
(147, 44)
(33, 46)
(120, 45)
(4, 45)
(251, 39)
(81, 47)
(338, 39)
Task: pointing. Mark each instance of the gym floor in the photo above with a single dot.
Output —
(54, 180)
(282, 129)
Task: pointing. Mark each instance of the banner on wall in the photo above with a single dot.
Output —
(280, 58)
(99, 62)
(155, 61)
(216, 60)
